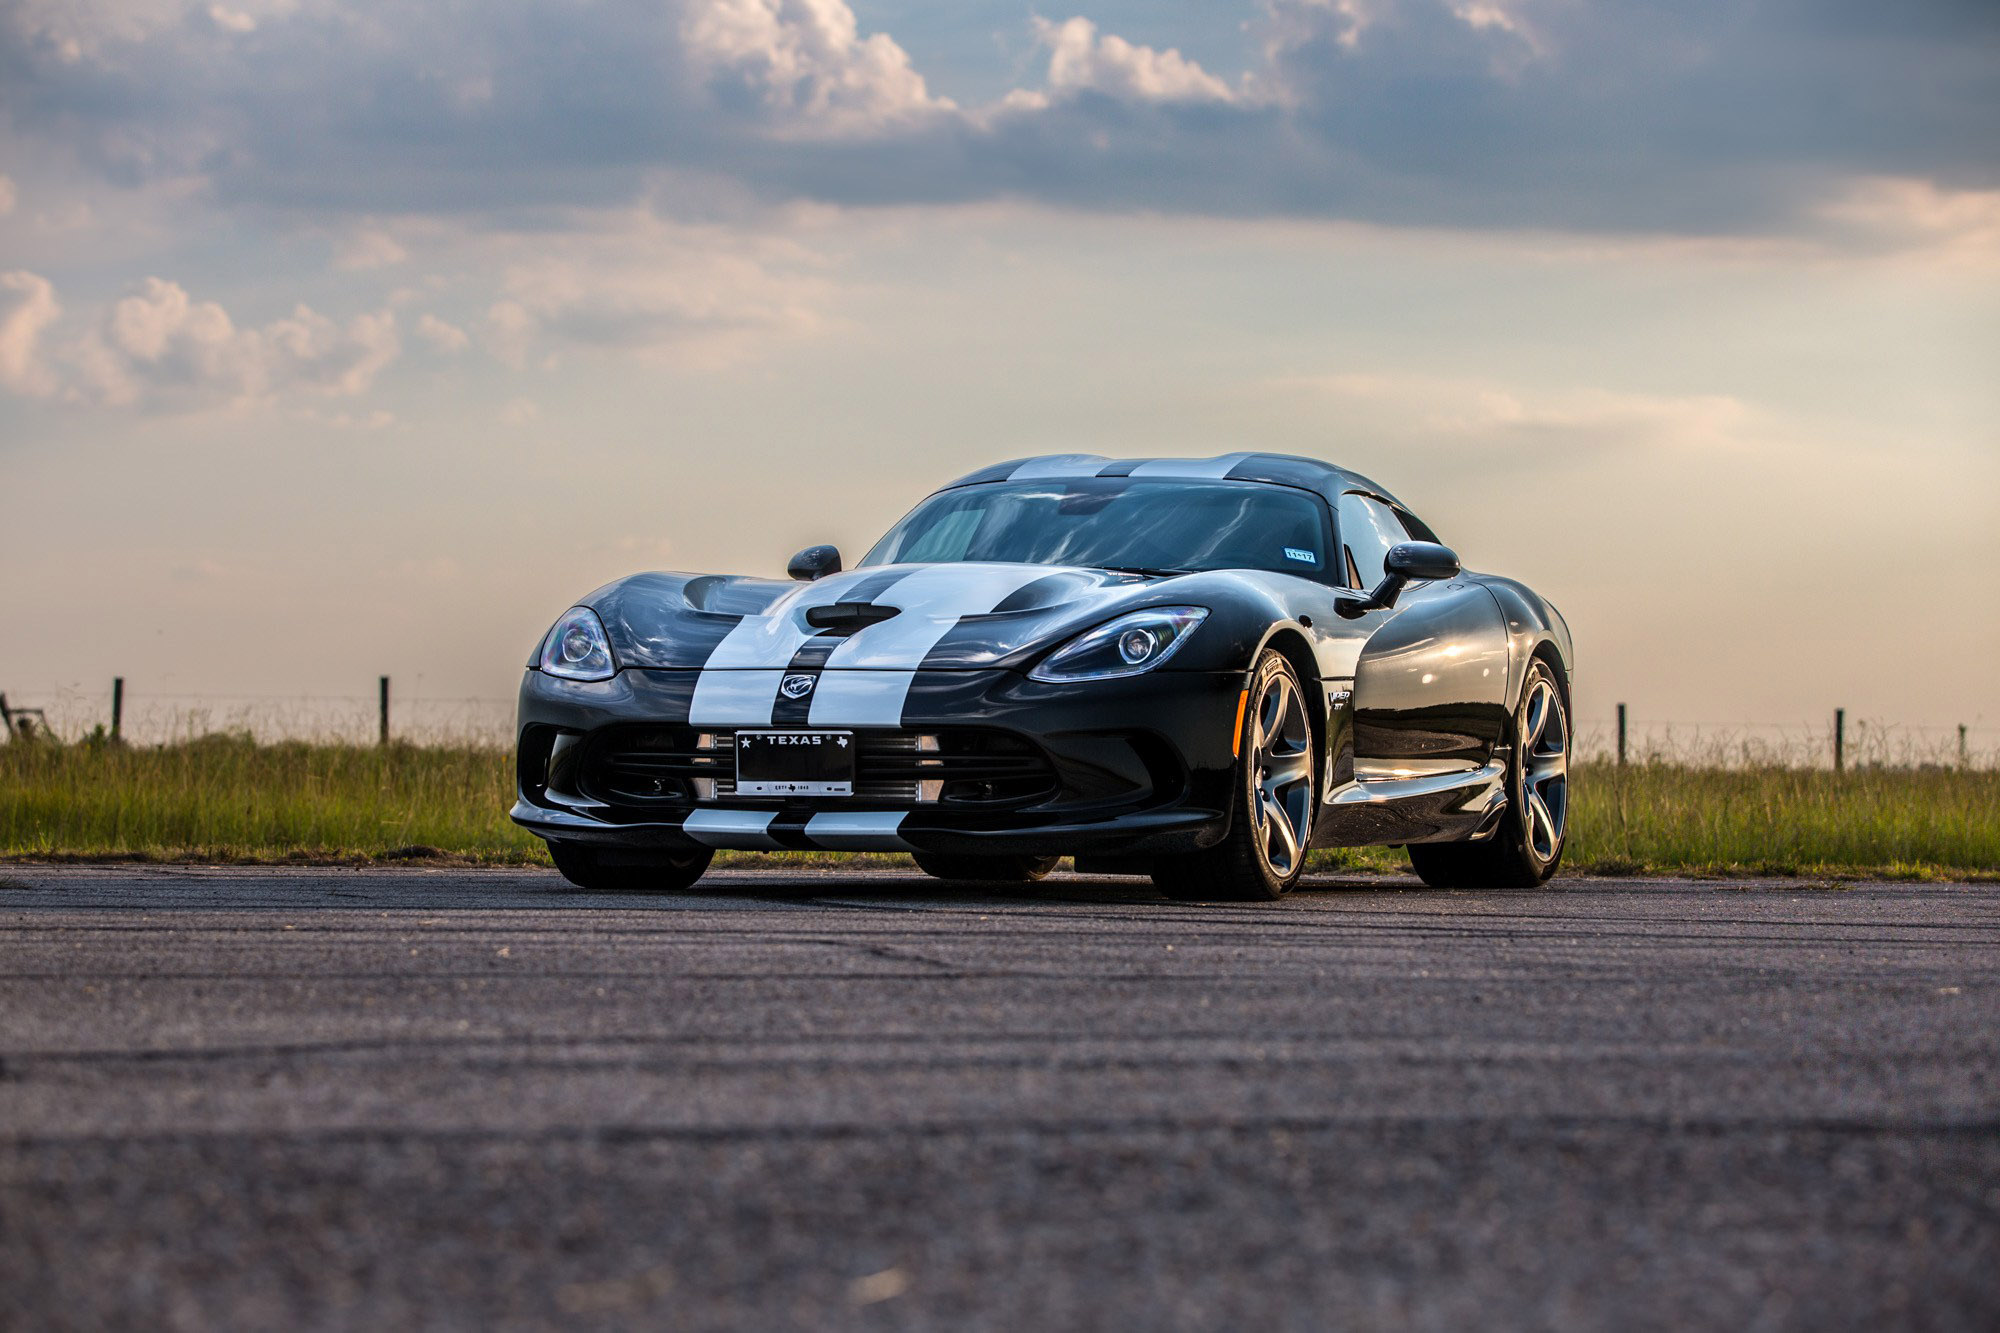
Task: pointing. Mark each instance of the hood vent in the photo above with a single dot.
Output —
(850, 616)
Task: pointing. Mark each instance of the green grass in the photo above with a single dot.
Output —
(223, 798)
(227, 798)
(1907, 823)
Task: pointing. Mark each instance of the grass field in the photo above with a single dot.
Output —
(221, 798)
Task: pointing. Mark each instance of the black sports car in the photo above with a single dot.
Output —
(1193, 669)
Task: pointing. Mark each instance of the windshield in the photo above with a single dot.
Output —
(1117, 523)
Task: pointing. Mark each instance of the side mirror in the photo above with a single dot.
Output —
(1421, 560)
(815, 562)
(1407, 561)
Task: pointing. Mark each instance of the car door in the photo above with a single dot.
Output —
(1430, 685)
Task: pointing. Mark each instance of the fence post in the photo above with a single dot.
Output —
(8, 717)
(385, 710)
(1964, 759)
(1839, 740)
(1621, 735)
(117, 706)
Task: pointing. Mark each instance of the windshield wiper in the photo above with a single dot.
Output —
(1143, 569)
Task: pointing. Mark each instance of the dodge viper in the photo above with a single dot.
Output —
(1193, 669)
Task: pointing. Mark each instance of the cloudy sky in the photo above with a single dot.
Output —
(340, 338)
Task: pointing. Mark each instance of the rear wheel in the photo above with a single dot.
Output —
(1528, 846)
(589, 868)
(1276, 799)
(985, 869)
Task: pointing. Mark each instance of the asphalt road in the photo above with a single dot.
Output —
(378, 1099)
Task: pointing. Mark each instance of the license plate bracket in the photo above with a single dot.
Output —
(794, 763)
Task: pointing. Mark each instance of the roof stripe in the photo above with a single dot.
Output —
(1312, 474)
(1216, 468)
(1059, 465)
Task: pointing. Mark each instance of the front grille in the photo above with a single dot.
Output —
(953, 766)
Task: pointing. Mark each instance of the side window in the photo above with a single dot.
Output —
(1418, 529)
(1368, 528)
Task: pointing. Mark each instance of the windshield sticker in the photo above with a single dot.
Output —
(1303, 557)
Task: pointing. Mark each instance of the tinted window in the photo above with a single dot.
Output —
(1134, 523)
(1368, 528)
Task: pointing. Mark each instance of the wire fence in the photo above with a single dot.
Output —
(1862, 743)
(139, 717)
(145, 718)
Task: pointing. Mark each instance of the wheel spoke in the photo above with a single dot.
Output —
(1283, 845)
(1542, 833)
(1286, 769)
(1271, 716)
(1538, 713)
(1547, 767)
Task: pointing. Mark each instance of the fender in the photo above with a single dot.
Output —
(1532, 622)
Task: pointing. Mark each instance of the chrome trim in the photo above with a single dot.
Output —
(748, 830)
(858, 830)
(1490, 775)
(1438, 808)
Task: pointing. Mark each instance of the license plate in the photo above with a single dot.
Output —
(795, 763)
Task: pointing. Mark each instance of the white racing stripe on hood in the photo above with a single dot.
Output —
(867, 678)
(739, 682)
(734, 698)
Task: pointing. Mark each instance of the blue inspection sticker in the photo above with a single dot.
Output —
(1303, 557)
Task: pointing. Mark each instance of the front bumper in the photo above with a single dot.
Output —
(1139, 767)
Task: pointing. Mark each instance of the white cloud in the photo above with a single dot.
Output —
(159, 347)
(1476, 113)
(637, 284)
(446, 337)
(27, 308)
(370, 249)
(1290, 23)
(1460, 409)
(806, 64)
(1080, 60)
(82, 29)
(231, 20)
(376, 419)
(509, 331)
(1912, 214)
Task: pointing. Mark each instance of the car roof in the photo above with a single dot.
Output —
(1310, 474)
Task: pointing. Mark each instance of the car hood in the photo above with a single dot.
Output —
(892, 617)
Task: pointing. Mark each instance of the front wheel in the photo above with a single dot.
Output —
(985, 869)
(1528, 846)
(1270, 826)
(588, 868)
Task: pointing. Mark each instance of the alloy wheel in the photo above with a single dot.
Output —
(1281, 758)
(1545, 768)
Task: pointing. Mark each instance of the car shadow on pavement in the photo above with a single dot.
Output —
(917, 889)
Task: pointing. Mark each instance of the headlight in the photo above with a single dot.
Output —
(1126, 646)
(576, 648)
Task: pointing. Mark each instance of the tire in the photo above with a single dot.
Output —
(1277, 797)
(985, 869)
(585, 868)
(1528, 846)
